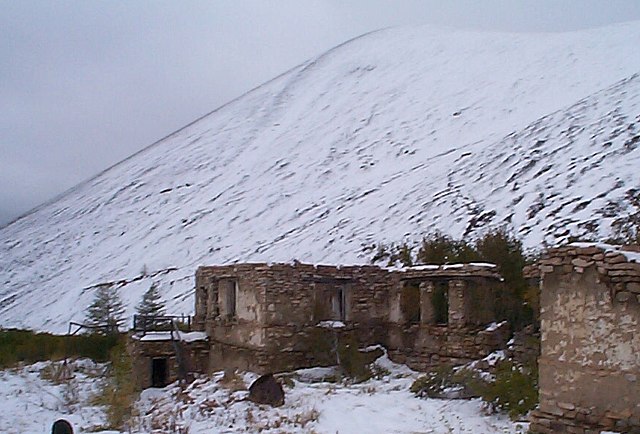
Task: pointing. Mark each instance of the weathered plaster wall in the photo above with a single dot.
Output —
(589, 366)
(279, 307)
(284, 304)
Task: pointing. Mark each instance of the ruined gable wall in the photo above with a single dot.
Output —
(590, 360)
(295, 291)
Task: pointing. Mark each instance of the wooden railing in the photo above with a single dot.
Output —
(151, 323)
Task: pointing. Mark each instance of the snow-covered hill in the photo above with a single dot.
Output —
(396, 133)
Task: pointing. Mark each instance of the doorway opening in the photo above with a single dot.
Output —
(159, 372)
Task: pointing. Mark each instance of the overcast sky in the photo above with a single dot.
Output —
(84, 84)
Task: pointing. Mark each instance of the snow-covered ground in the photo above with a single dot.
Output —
(30, 404)
(30, 401)
(391, 135)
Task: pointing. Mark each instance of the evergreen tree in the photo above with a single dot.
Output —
(151, 303)
(106, 310)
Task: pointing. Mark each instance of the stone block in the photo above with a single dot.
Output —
(578, 262)
(614, 258)
(631, 266)
(556, 411)
(566, 406)
(623, 296)
(589, 251)
(633, 287)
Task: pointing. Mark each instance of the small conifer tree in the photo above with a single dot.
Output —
(106, 310)
(151, 303)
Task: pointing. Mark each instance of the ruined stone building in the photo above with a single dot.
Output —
(277, 317)
(589, 368)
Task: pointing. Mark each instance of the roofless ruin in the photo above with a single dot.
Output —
(277, 317)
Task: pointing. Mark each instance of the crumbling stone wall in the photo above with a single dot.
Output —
(463, 334)
(589, 366)
(144, 352)
(288, 301)
(278, 308)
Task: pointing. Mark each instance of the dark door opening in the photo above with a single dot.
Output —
(159, 372)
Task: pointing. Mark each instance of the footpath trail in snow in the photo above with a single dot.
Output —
(381, 405)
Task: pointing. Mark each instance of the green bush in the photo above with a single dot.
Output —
(437, 248)
(30, 347)
(118, 393)
(353, 362)
(435, 384)
(515, 389)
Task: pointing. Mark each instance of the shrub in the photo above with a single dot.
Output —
(354, 363)
(515, 389)
(30, 347)
(321, 345)
(57, 372)
(118, 392)
(447, 382)
(392, 254)
(441, 249)
(505, 250)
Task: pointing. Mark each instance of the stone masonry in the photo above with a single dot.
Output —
(590, 345)
(266, 318)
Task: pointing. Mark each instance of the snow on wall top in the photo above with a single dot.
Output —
(398, 132)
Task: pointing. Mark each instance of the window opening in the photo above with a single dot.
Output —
(229, 293)
(440, 303)
(330, 302)
(337, 304)
(410, 302)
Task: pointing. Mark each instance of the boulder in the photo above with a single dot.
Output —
(267, 390)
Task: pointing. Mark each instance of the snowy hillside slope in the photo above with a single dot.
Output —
(397, 133)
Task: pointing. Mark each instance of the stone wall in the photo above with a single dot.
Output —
(144, 352)
(290, 300)
(424, 347)
(458, 336)
(589, 366)
(278, 307)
